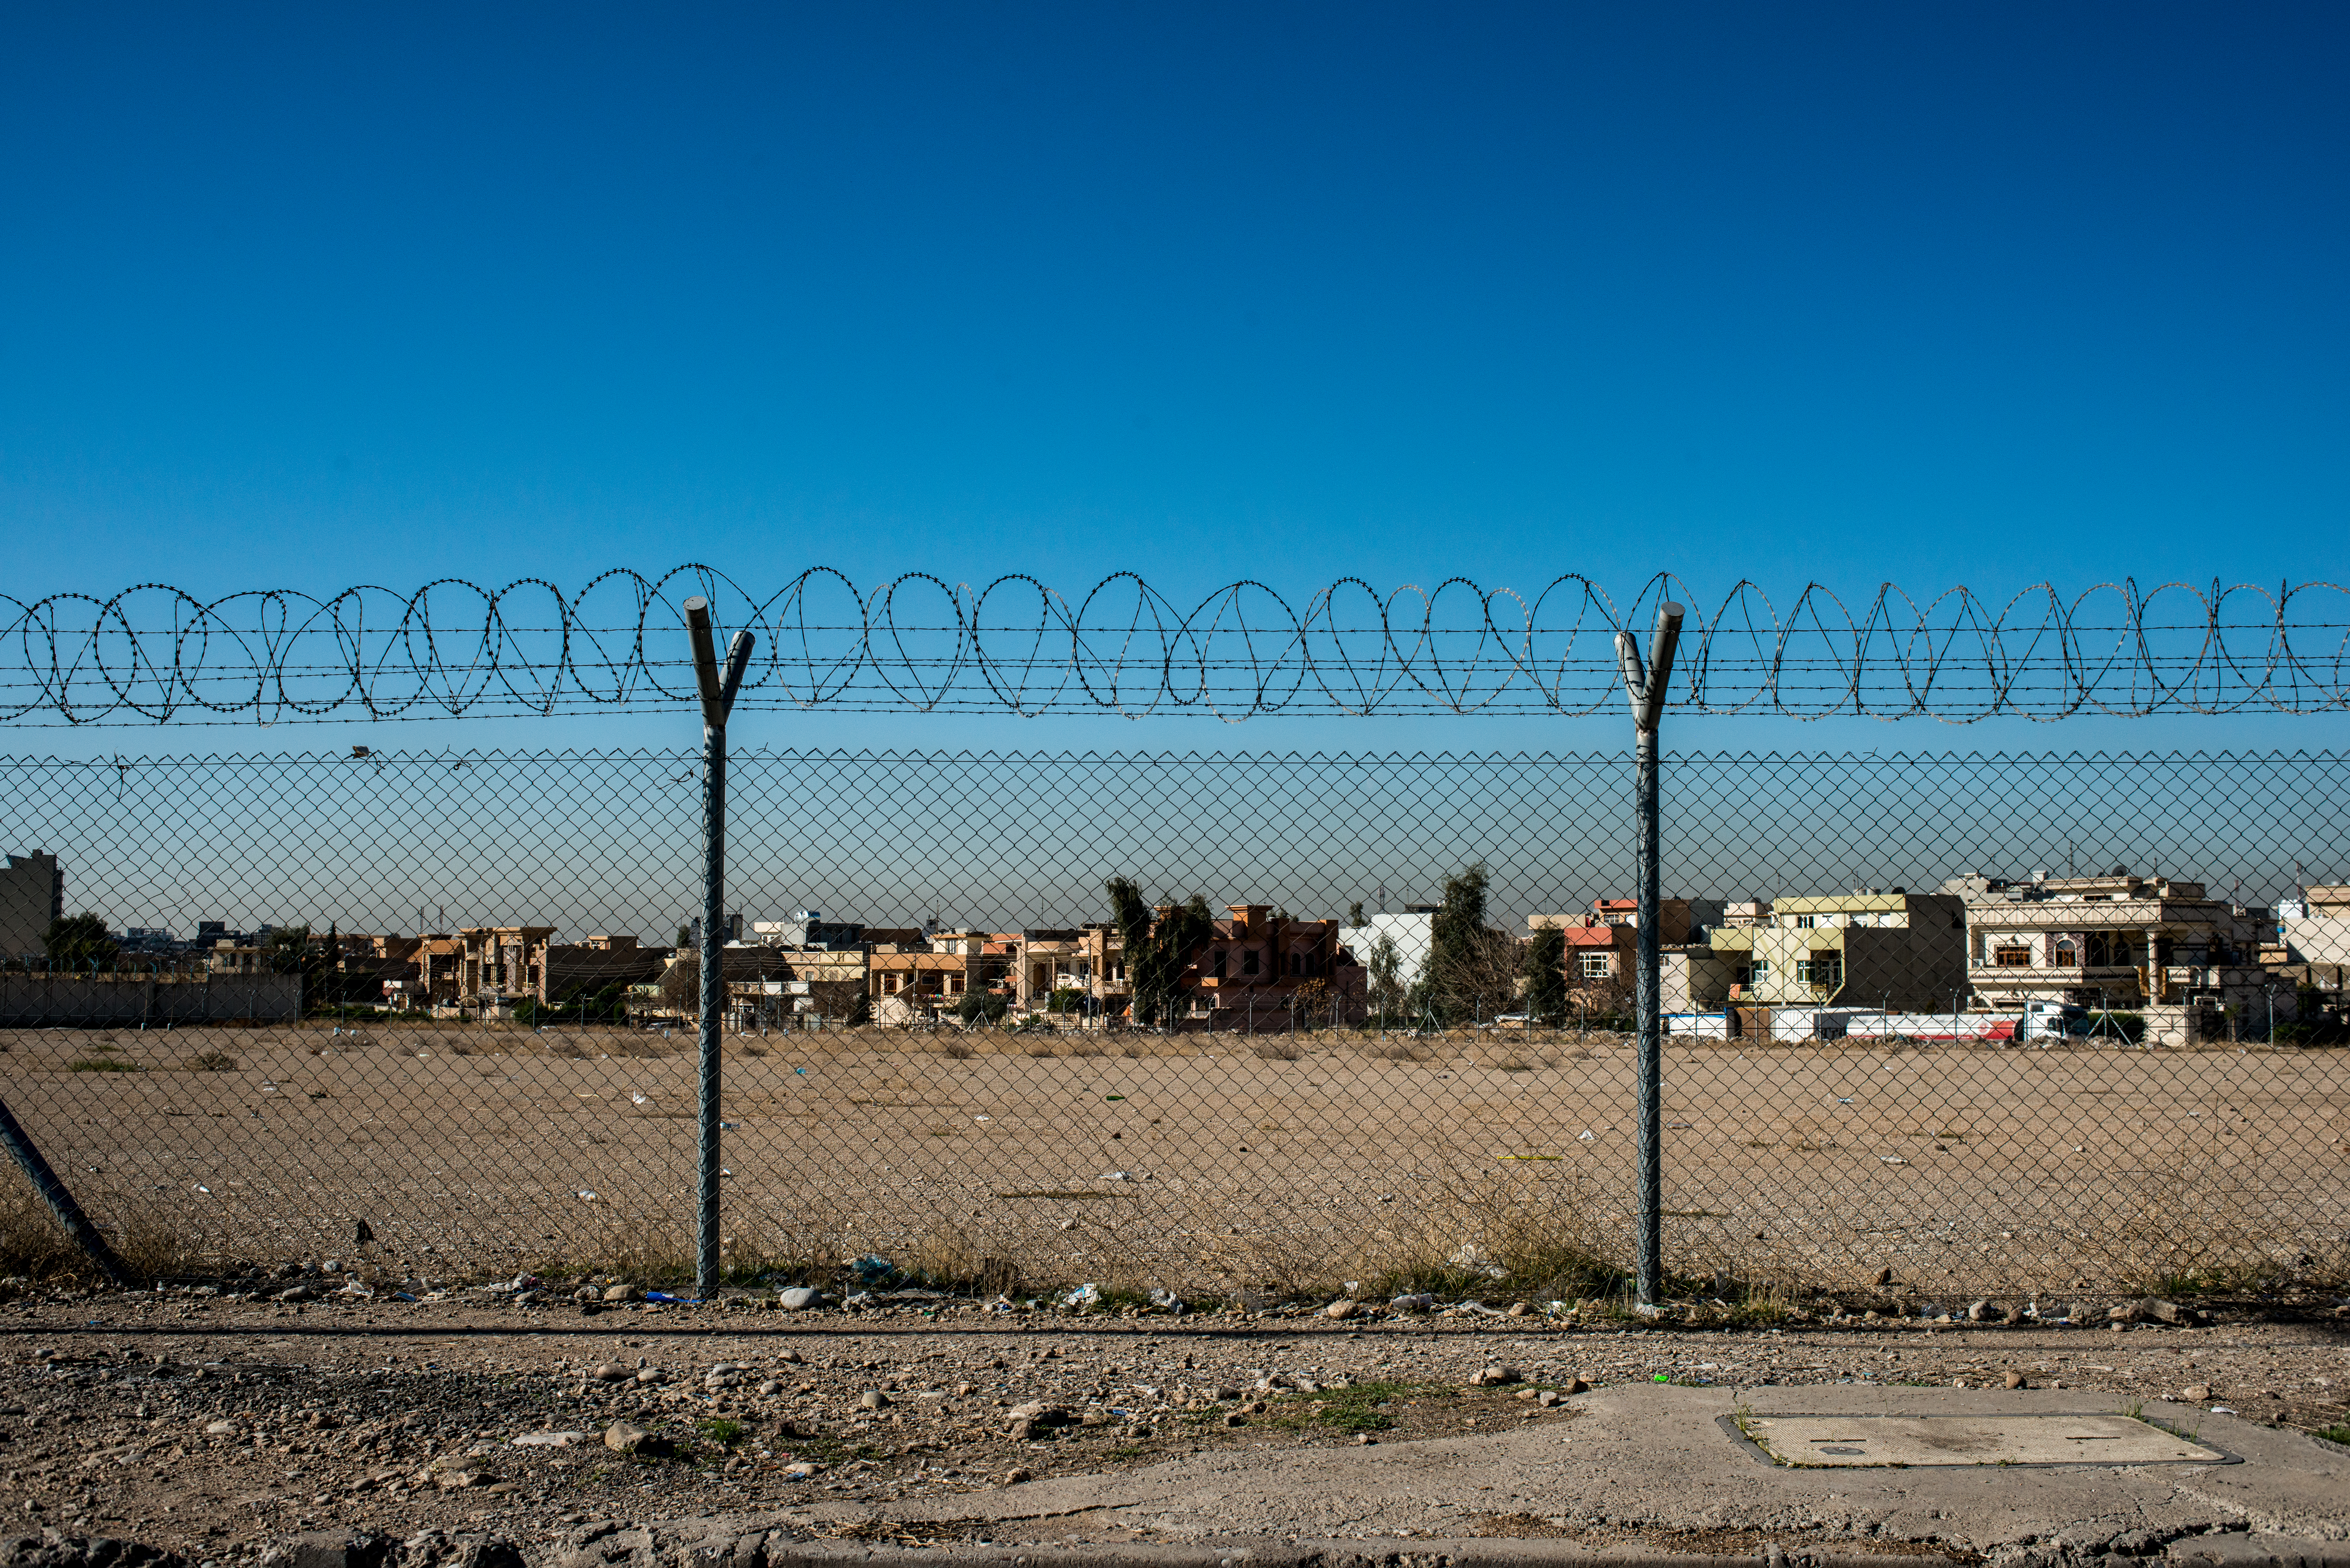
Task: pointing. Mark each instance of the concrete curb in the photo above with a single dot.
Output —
(1470, 1552)
(2230, 1550)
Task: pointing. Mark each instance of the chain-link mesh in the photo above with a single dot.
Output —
(1998, 1025)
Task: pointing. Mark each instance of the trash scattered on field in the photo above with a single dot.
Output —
(679, 1301)
(1164, 1297)
(871, 1269)
(1115, 1176)
(1421, 1302)
(1083, 1296)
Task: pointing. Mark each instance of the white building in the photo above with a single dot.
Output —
(1413, 934)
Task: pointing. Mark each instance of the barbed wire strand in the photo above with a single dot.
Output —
(154, 654)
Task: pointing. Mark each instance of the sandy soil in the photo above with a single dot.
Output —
(213, 1424)
(1202, 1163)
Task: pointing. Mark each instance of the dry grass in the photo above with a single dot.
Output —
(1277, 1163)
(34, 1245)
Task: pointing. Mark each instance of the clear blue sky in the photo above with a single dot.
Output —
(302, 296)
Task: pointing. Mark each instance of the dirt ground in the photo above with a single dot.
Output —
(1202, 1163)
(213, 1424)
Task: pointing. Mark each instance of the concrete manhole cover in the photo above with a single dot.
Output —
(2107, 1439)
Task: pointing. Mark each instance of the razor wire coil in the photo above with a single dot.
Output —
(156, 654)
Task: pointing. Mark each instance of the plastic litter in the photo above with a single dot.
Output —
(1115, 1176)
(1421, 1302)
(665, 1296)
(1168, 1299)
(871, 1269)
(1085, 1295)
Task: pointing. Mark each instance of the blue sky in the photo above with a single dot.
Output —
(303, 296)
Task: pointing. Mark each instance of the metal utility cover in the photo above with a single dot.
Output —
(2104, 1440)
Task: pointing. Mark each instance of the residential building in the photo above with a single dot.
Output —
(2312, 947)
(501, 965)
(32, 894)
(2315, 927)
(1260, 967)
(920, 981)
(1603, 944)
(808, 928)
(768, 985)
(1413, 934)
(2148, 944)
(1870, 948)
(1088, 961)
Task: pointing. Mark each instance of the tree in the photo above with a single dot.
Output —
(1547, 975)
(1156, 950)
(285, 948)
(79, 942)
(980, 1005)
(1354, 914)
(1385, 970)
(321, 967)
(1473, 972)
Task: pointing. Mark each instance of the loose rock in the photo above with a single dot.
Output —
(627, 1437)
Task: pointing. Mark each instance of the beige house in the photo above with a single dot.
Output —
(1897, 951)
(2114, 941)
(2146, 944)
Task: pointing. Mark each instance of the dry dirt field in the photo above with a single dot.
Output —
(1202, 1163)
(213, 1424)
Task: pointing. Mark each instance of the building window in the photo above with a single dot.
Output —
(1820, 969)
(2011, 958)
(1248, 961)
(1806, 922)
(1761, 970)
(1596, 966)
(2065, 955)
(1216, 963)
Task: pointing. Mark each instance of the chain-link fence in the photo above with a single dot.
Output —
(1207, 1022)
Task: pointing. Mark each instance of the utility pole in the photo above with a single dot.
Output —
(718, 691)
(1644, 687)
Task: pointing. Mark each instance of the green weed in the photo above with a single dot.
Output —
(1361, 1408)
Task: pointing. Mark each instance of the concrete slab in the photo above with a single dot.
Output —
(1645, 1465)
(1910, 1440)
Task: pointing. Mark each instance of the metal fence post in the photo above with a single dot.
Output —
(1645, 688)
(717, 702)
(60, 1200)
